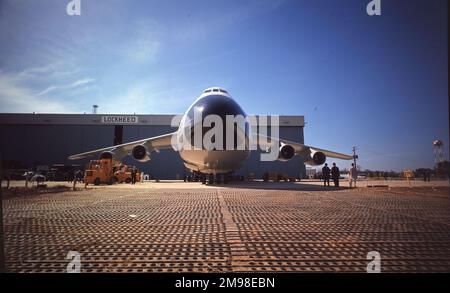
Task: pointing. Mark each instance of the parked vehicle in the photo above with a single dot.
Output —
(60, 172)
(18, 174)
(108, 171)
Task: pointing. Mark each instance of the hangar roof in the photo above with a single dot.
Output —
(110, 119)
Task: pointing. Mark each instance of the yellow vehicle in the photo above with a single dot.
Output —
(99, 171)
(108, 171)
(123, 174)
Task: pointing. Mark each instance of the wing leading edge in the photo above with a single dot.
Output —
(153, 143)
(301, 149)
(165, 142)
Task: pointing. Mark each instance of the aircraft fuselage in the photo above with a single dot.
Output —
(221, 159)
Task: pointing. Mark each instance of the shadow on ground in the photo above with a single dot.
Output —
(280, 186)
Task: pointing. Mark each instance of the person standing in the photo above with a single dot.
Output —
(352, 175)
(326, 175)
(133, 175)
(335, 174)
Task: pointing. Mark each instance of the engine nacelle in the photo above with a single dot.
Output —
(316, 159)
(140, 153)
(107, 155)
(286, 153)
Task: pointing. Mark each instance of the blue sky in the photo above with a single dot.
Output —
(376, 82)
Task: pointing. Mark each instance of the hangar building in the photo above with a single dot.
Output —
(47, 139)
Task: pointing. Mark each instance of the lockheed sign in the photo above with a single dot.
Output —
(119, 119)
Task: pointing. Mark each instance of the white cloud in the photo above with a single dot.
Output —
(150, 96)
(47, 91)
(36, 71)
(16, 97)
(145, 42)
(75, 84)
(139, 98)
(53, 70)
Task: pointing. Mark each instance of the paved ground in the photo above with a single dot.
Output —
(178, 227)
(258, 184)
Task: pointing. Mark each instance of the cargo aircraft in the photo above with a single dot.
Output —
(209, 150)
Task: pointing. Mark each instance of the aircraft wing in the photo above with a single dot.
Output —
(300, 149)
(153, 143)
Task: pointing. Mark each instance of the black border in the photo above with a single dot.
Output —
(301, 282)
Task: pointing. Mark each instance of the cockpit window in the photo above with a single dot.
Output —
(216, 90)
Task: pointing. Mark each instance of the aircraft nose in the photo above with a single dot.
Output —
(214, 106)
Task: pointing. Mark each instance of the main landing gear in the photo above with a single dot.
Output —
(213, 178)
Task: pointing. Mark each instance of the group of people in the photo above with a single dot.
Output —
(335, 174)
(133, 175)
(427, 176)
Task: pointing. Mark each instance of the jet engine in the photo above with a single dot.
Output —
(107, 155)
(140, 153)
(315, 158)
(286, 152)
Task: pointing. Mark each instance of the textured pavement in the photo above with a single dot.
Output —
(223, 229)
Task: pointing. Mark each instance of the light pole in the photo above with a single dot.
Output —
(355, 156)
